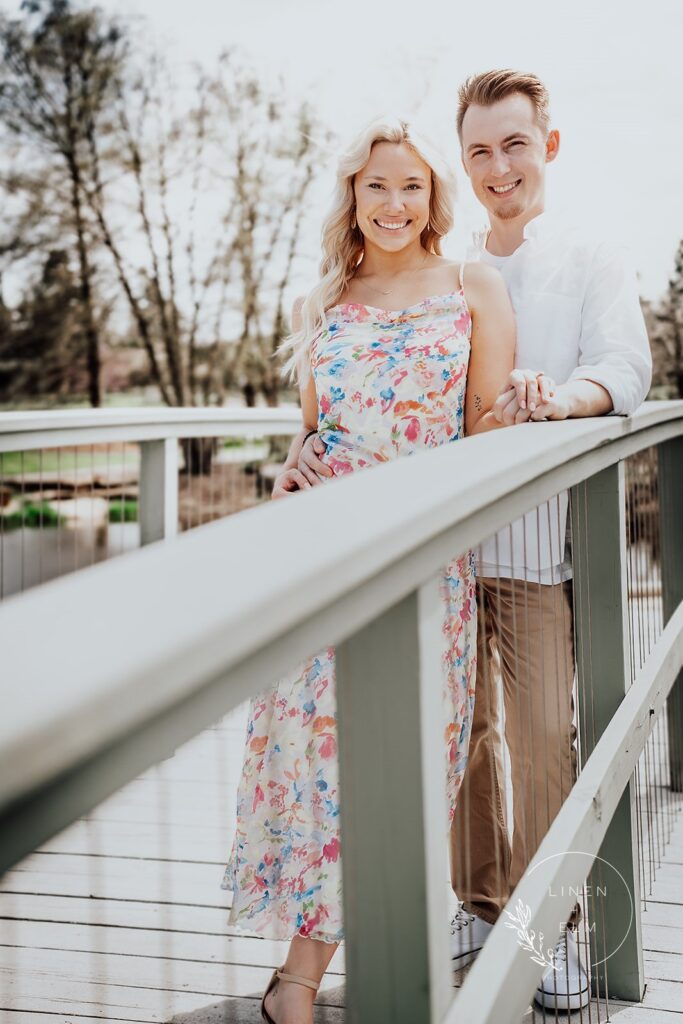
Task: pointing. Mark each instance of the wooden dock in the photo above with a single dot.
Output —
(121, 916)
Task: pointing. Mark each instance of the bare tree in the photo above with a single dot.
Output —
(187, 223)
(274, 150)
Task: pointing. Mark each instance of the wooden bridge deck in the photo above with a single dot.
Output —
(121, 918)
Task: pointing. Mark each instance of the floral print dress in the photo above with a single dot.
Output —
(389, 383)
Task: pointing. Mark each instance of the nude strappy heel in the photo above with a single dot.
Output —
(279, 975)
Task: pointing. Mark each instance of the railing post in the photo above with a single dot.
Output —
(158, 504)
(603, 671)
(393, 815)
(670, 487)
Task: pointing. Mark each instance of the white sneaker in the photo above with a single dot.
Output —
(565, 987)
(468, 935)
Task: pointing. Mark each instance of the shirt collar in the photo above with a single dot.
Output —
(531, 230)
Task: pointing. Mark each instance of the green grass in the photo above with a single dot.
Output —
(123, 512)
(31, 515)
(18, 463)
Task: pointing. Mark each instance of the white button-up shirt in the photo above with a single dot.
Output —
(578, 318)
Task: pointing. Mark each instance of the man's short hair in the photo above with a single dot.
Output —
(488, 88)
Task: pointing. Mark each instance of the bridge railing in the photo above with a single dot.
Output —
(195, 627)
(80, 486)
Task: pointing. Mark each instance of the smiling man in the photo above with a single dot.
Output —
(578, 324)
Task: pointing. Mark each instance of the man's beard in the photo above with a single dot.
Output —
(508, 212)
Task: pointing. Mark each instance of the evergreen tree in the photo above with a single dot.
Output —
(57, 73)
(41, 349)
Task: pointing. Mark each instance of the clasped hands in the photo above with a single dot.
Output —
(530, 395)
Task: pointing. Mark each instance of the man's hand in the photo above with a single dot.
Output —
(309, 464)
(288, 482)
(524, 393)
(558, 407)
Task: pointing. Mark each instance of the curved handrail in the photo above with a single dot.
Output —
(27, 431)
(231, 603)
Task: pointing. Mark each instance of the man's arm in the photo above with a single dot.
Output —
(614, 346)
(615, 364)
(575, 398)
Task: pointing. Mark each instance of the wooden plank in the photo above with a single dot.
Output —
(63, 1017)
(663, 995)
(67, 974)
(232, 1011)
(629, 1014)
(663, 939)
(117, 913)
(164, 945)
(117, 878)
(144, 839)
(664, 966)
(666, 890)
(665, 915)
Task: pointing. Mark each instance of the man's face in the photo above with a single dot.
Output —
(504, 152)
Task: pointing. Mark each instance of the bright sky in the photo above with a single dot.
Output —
(613, 67)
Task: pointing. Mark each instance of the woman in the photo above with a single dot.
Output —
(384, 346)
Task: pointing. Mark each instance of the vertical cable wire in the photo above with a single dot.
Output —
(108, 551)
(641, 658)
(41, 517)
(93, 532)
(2, 527)
(59, 511)
(588, 648)
(493, 687)
(24, 525)
(655, 575)
(652, 638)
(632, 660)
(122, 499)
(75, 519)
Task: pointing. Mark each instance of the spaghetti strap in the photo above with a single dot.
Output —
(461, 276)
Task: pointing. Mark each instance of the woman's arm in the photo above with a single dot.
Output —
(493, 345)
(290, 478)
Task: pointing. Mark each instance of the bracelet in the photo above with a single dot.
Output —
(309, 434)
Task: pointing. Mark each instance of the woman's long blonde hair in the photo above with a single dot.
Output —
(342, 239)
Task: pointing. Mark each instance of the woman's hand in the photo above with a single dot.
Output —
(524, 392)
(310, 464)
(289, 482)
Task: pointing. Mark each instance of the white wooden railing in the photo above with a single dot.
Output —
(157, 431)
(202, 623)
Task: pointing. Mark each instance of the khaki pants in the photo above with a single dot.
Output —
(525, 640)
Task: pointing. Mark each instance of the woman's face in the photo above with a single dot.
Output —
(392, 196)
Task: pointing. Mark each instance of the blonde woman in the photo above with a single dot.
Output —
(396, 350)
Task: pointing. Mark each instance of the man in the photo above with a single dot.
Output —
(578, 323)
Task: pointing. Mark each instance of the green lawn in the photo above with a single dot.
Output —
(51, 460)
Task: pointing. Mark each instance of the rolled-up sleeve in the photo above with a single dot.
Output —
(614, 347)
